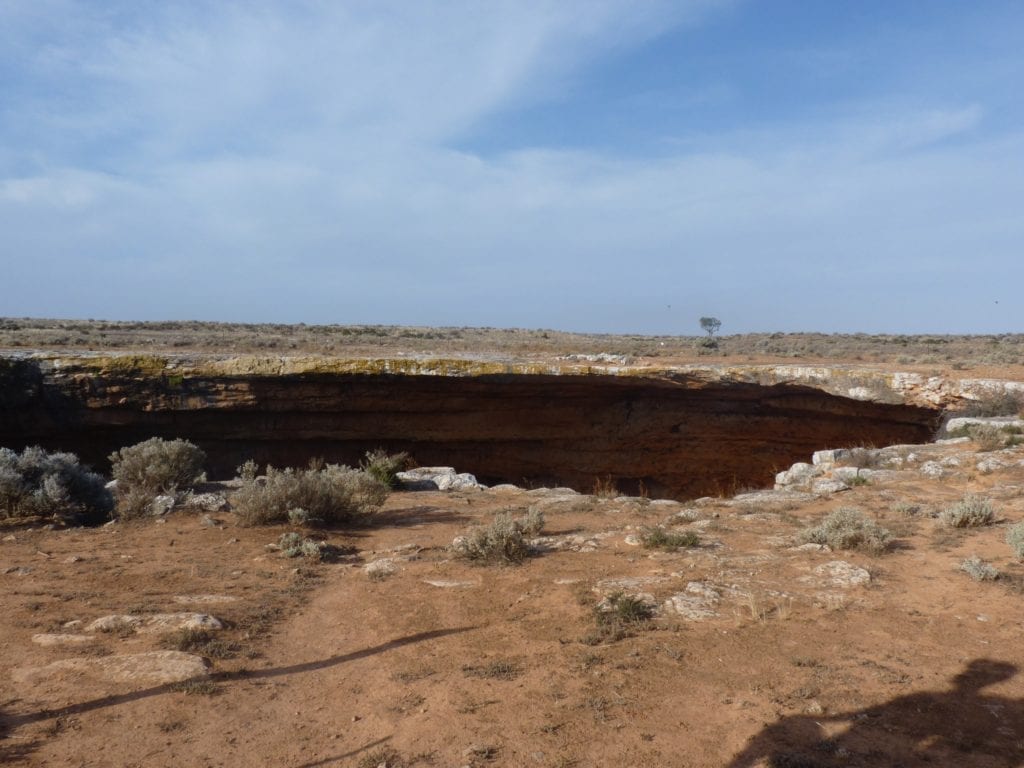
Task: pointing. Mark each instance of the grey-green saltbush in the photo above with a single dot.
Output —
(503, 541)
(849, 528)
(38, 483)
(970, 512)
(978, 569)
(1015, 538)
(152, 468)
(320, 495)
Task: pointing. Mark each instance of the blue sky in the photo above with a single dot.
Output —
(602, 166)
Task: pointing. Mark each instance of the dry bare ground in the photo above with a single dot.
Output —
(762, 650)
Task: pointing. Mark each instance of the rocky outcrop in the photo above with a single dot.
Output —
(680, 432)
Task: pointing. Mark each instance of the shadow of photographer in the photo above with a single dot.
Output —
(957, 727)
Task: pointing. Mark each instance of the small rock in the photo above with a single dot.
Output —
(18, 570)
(154, 667)
(448, 583)
(52, 640)
(839, 573)
(380, 568)
(73, 559)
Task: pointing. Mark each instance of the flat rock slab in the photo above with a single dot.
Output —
(154, 667)
(54, 640)
(839, 573)
(204, 599)
(696, 603)
(449, 583)
(157, 622)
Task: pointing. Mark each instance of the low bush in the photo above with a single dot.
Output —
(996, 402)
(37, 483)
(616, 617)
(659, 538)
(978, 569)
(503, 541)
(385, 466)
(320, 495)
(987, 437)
(970, 512)
(849, 528)
(1015, 538)
(154, 467)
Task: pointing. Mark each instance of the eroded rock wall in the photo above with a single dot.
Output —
(680, 436)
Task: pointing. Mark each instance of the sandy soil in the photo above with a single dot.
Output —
(448, 663)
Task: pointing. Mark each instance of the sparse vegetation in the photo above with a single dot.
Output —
(196, 687)
(996, 402)
(320, 495)
(385, 466)
(616, 617)
(503, 541)
(849, 528)
(660, 538)
(200, 641)
(970, 512)
(152, 468)
(36, 483)
(978, 569)
(1015, 538)
(987, 437)
(500, 669)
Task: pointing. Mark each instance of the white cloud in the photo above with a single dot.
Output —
(262, 161)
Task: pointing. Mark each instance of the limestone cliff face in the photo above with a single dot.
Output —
(680, 432)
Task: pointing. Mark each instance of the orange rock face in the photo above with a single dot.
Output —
(681, 436)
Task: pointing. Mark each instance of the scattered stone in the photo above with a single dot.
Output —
(800, 474)
(696, 603)
(825, 487)
(437, 479)
(378, 569)
(53, 640)
(990, 464)
(10, 538)
(632, 540)
(839, 573)
(627, 583)
(162, 505)
(999, 422)
(448, 583)
(932, 469)
(18, 570)
(209, 502)
(73, 559)
(153, 667)
(157, 622)
(204, 599)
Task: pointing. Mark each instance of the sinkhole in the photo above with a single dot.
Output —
(672, 436)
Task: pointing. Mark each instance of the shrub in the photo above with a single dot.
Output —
(970, 512)
(37, 483)
(978, 569)
(987, 437)
(320, 495)
(1015, 538)
(502, 541)
(153, 468)
(996, 402)
(849, 528)
(385, 466)
(659, 538)
(616, 616)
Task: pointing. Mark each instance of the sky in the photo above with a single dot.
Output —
(620, 166)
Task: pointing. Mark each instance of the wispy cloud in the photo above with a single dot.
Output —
(300, 162)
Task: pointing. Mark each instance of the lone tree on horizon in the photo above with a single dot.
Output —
(710, 326)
